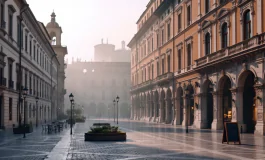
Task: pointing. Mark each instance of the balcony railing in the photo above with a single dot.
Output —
(3, 82)
(165, 77)
(232, 50)
(11, 84)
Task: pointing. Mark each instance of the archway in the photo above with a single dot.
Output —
(190, 105)
(162, 107)
(180, 105)
(169, 107)
(148, 107)
(249, 100)
(225, 105)
(208, 89)
(156, 104)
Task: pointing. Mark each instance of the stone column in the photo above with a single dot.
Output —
(217, 111)
(167, 110)
(161, 111)
(237, 114)
(198, 111)
(185, 111)
(260, 126)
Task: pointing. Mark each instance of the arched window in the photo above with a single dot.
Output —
(207, 44)
(168, 63)
(224, 35)
(207, 6)
(247, 25)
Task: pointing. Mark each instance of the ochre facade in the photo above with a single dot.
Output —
(200, 63)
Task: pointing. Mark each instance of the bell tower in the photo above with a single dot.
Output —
(54, 30)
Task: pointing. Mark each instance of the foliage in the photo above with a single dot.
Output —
(104, 129)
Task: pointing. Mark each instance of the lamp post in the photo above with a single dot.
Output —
(114, 102)
(117, 100)
(71, 97)
(25, 93)
(22, 10)
(37, 100)
(187, 92)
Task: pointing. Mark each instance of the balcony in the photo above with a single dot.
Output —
(164, 78)
(2, 28)
(11, 84)
(3, 82)
(250, 45)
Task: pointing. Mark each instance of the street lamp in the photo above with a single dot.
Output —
(187, 92)
(114, 102)
(117, 100)
(71, 97)
(25, 93)
(37, 100)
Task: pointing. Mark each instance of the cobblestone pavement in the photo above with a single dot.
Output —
(159, 141)
(36, 145)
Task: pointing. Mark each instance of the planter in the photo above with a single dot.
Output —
(101, 124)
(20, 130)
(105, 136)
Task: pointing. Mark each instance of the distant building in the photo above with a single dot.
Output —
(107, 53)
(96, 84)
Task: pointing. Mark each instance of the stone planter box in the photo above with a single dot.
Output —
(105, 136)
(20, 130)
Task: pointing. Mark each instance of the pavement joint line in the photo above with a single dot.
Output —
(203, 149)
(103, 148)
(25, 150)
(27, 155)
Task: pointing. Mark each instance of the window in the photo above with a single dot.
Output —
(10, 109)
(152, 71)
(179, 22)
(207, 44)
(223, 1)
(34, 52)
(168, 63)
(10, 24)
(26, 43)
(34, 110)
(168, 31)
(30, 48)
(224, 35)
(189, 55)
(179, 59)
(152, 44)
(149, 72)
(207, 6)
(10, 74)
(162, 36)
(157, 40)
(30, 84)
(163, 66)
(144, 74)
(188, 15)
(30, 110)
(247, 25)
(26, 80)
(157, 68)
(2, 12)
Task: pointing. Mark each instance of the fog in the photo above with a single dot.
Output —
(95, 84)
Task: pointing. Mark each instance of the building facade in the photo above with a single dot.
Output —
(39, 69)
(200, 63)
(97, 85)
(55, 33)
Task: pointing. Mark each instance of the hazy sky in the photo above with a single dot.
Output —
(86, 22)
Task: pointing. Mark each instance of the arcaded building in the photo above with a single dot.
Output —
(200, 63)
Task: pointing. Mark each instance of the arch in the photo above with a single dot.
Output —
(169, 112)
(222, 80)
(180, 106)
(222, 12)
(162, 106)
(206, 23)
(207, 107)
(190, 104)
(243, 73)
(156, 98)
(247, 98)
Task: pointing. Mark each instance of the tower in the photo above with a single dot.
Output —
(55, 32)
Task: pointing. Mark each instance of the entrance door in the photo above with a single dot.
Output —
(249, 95)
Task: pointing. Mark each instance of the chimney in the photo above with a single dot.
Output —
(123, 45)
